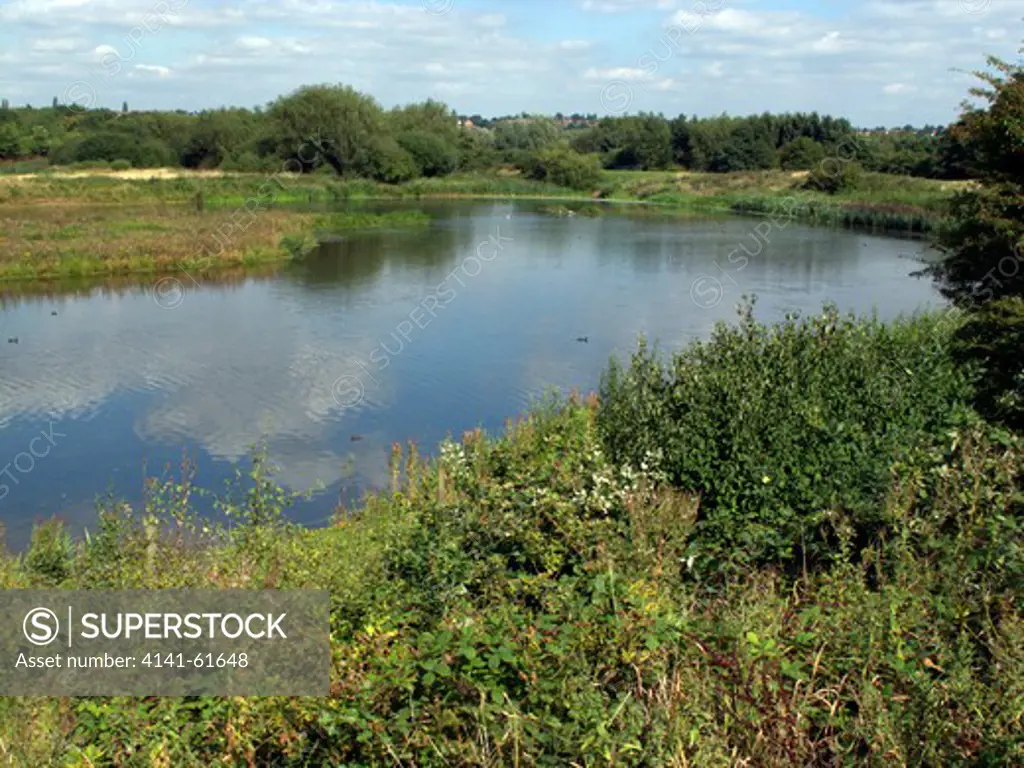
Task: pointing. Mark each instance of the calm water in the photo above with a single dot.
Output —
(384, 337)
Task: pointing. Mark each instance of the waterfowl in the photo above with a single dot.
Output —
(13, 341)
(356, 438)
(54, 313)
(583, 339)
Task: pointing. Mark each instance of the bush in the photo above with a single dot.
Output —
(248, 162)
(834, 176)
(992, 338)
(803, 154)
(389, 163)
(120, 165)
(432, 154)
(110, 146)
(49, 553)
(787, 432)
(564, 168)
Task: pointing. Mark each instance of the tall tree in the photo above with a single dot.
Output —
(332, 123)
(983, 266)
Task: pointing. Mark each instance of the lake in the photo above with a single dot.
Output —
(384, 337)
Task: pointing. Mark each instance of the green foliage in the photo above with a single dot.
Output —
(49, 556)
(745, 151)
(13, 143)
(330, 123)
(218, 135)
(514, 139)
(431, 153)
(643, 142)
(108, 146)
(983, 242)
(835, 176)
(802, 154)
(388, 162)
(523, 600)
(992, 338)
(787, 432)
(564, 168)
(120, 165)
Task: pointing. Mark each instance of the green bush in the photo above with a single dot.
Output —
(788, 431)
(803, 154)
(249, 162)
(120, 165)
(389, 163)
(524, 600)
(432, 154)
(992, 338)
(564, 168)
(49, 553)
(834, 175)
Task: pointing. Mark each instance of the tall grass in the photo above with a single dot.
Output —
(72, 241)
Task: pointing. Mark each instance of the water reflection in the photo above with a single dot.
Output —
(257, 356)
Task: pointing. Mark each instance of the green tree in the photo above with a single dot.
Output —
(218, 134)
(389, 162)
(802, 154)
(329, 123)
(983, 247)
(432, 154)
(12, 142)
(981, 269)
(562, 166)
(514, 140)
(430, 116)
(745, 150)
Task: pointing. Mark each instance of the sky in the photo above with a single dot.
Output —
(877, 62)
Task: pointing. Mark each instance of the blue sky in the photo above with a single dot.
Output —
(878, 62)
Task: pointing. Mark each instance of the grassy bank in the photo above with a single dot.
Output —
(707, 567)
(67, 241)
(888, 203)
(879, 202)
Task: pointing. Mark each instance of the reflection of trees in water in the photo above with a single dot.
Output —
(356, 261)
(106, 286)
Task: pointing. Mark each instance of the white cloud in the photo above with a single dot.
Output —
(152, 69)
(746, 56)
(894, 89)
(56, 44)
(254, 43)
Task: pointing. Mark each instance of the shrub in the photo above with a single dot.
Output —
(120, 165)
(786, 431)
(49, 553)
(802, 154)
(249, 162)
(992, 338)
(834, 176)
(564, 168)
(432, 154)
(389, 163)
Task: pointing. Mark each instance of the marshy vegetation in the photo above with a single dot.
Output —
(61, 241)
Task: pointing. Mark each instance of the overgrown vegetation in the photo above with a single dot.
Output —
(983, 243)
(73, 241)
(532, 600)
(788, 431)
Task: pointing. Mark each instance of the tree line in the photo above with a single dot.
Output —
(355, 136)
